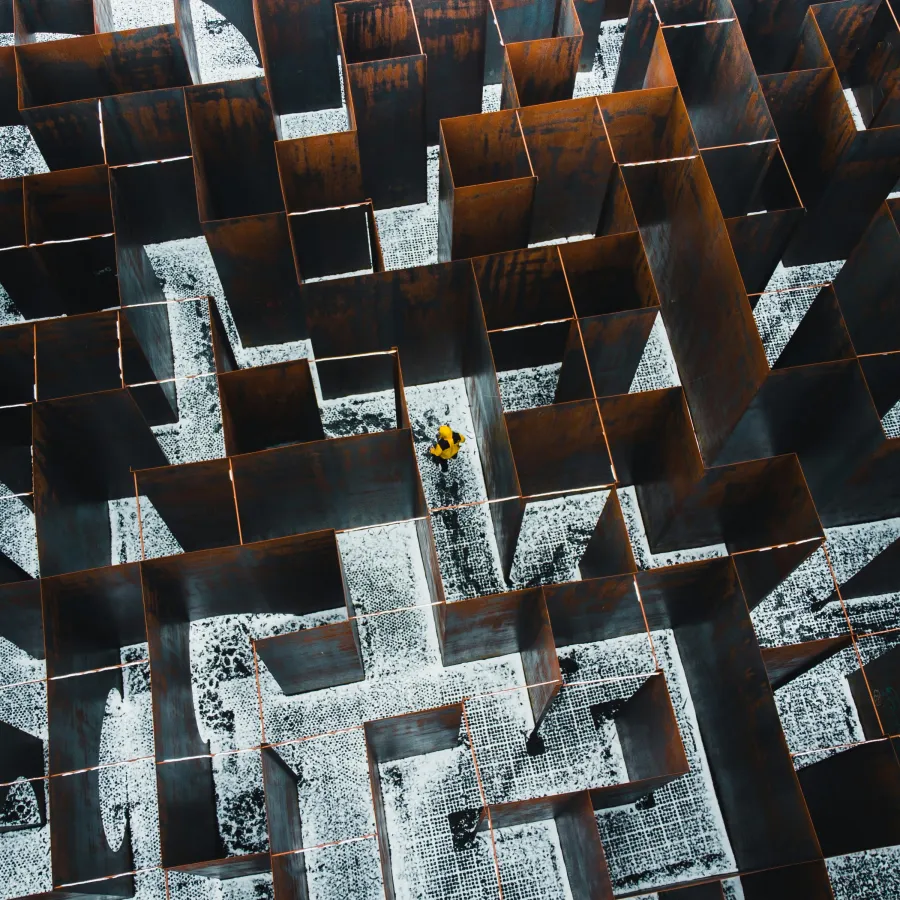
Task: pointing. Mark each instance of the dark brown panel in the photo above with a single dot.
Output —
(783, 664)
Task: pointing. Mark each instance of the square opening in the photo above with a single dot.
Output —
(377, 29)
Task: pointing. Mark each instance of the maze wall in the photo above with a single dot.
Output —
(641, 639)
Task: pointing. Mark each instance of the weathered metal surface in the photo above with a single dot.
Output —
(321, 171)
(571, 158)
(385, 67)
(146, 126)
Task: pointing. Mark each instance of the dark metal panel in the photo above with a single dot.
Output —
(719, 84)
(77, 355)
(299, 48)
(759, 242)
(79, 850)
(878, 681)
(572, 161)
(617, 215)
(233, 138)
(348, 482)
(20, 619)
(15, 461)
(188, 826)
(736, 712)
(195, 500)
(16, 364)
(760, 572)
(608, 274)
(269, 406)
(254, 260)
(67, 134)
(614, 345)
(84, 450)
(783, 664)
(714, 339)
(864, 777)
(414, 734)
(88, 616)
(452, 33)
(609, 550)
(320, 171)
(596, 609)
(647, 125)
(146, 348)
(806, 880)
(385, 66)
(331, 241)
(543, 71)
(582, 850)
(12, 212)
(559, 448)
(820, 337)
(282, 803)
(146, 126)
(314, 659)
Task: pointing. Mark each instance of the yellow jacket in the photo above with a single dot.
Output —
(448, 443)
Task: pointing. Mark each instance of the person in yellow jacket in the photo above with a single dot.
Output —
(447, 446)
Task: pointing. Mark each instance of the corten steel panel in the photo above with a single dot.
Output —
(571, 158)
(79, 849)
(843, 454)
(868, 287)
(617, 214)
(146, 348)
(524, 348)
(772, 31)
(188, 826)
(351, 482)
(719, 85)
(282, 803)
(737, 174)
(806, 880)
(714, 339)
(428, 551)
(348, 375)
(223, 352)
(20, 617)
(384, 844)
(145, 126)
(414, 734)
(299, 48)
(652, 446)
(230, 867)
(9, 93)
(540, 663)
(15, 453)
(587, 872)
(759, 503)
(641, 32)
(67, 134)
(16, 364)
(385, 66)
(255, 263)
(559, 448)
(712, 890)
(735, 709)
(491, 433)
(84, 450)
(648, 731)
(61, 279)
(453, 38)
(864, 777)
(881, 676)
(64, 205)
(487, 186)
(783, 664)
(523, 287)
(289, 876)
(233, 138)
(76, 708)
(880, 576)
(60, 16)
(333, 241)
(77, 355)
(647, 125)
(759, 242)
(21, 754)
(543, 70)
(820, 337)
(97, 65)
(12, 212)
(89, 616)
(614, 345)
(195, 500)
(608, 551)
(422, 311)
(842, 174)
(761, 572)
(608, 274)
(313, 659)
(320, 171)
(269, 406)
